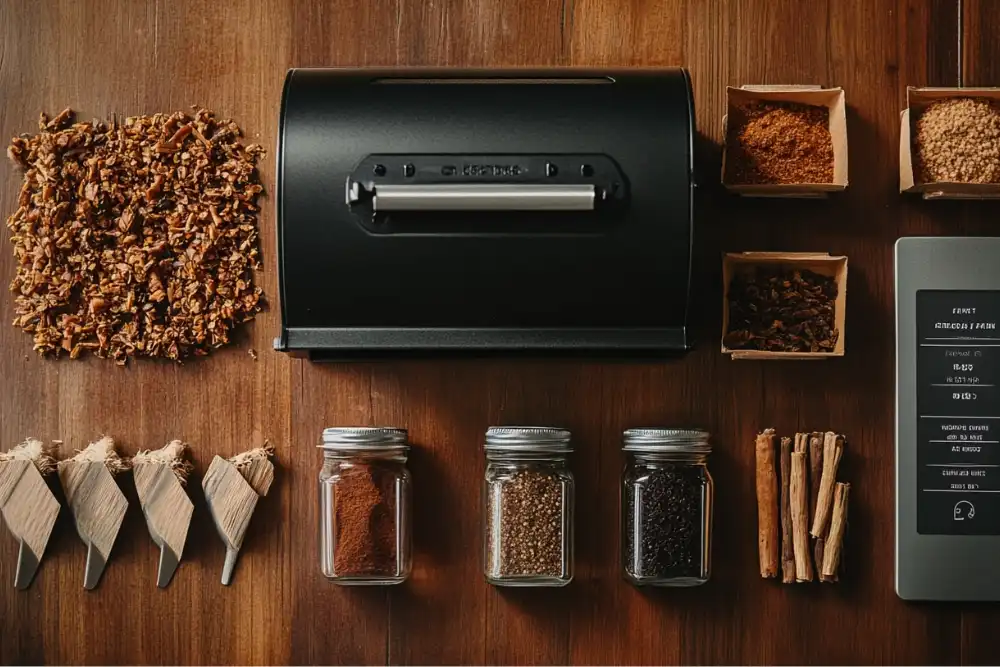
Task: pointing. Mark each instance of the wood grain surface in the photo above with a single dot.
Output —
(131, 56)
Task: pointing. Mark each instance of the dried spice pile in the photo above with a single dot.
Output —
(958, 140)
(135, 239)
(780, 143)
(525, 525)
(672, 534)
(784, 310)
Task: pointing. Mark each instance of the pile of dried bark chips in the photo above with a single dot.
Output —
(136, 238)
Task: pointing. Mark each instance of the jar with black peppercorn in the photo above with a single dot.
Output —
(667, 495)
(528, 507)
(364, 502)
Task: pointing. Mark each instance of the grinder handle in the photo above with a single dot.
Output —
(484, 197)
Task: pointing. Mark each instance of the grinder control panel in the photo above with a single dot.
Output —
(958, 406)
(948, 418)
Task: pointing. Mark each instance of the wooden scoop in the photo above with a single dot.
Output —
(29, 509)
(232, 488)
(98, 505)
(159, 479)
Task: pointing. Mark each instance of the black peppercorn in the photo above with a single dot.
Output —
(664, 539)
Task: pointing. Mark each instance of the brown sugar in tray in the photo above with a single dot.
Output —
(780, 143)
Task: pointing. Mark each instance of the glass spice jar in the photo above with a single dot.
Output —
(528, 507)
(667, 495)
(364, 500)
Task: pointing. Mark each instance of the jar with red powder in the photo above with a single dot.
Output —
(364, 501)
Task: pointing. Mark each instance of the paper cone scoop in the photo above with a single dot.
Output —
(232, 488)
(29, 509)
(159, 478)
(98, 505)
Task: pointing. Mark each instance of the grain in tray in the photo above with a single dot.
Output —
(958, 141)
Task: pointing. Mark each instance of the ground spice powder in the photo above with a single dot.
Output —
(365, 520)
(780, 143)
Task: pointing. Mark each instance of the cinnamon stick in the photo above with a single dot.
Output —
(833, 449)
(838, 523)
(815, 471)
(800, 517)
(819, 547)
(787, 549)
(815, 474)
(802, 444)
(767, 505)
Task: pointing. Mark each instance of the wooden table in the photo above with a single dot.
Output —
(131, 56)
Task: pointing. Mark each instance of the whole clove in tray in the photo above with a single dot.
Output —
(782, 310)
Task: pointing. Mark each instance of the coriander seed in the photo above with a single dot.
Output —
(529, 507)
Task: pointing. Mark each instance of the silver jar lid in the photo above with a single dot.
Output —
(679, 440)
(528, 439)
(364, 438)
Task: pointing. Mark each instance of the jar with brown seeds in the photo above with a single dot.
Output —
(528, 506)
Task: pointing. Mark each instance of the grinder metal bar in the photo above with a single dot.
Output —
(484, 197)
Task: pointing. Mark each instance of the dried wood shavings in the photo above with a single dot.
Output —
(102, 451)
(33, 450)
(135, 239)
(785, 310)
(244, 459)
(780, 143)
(171, 454)
(958, 141)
